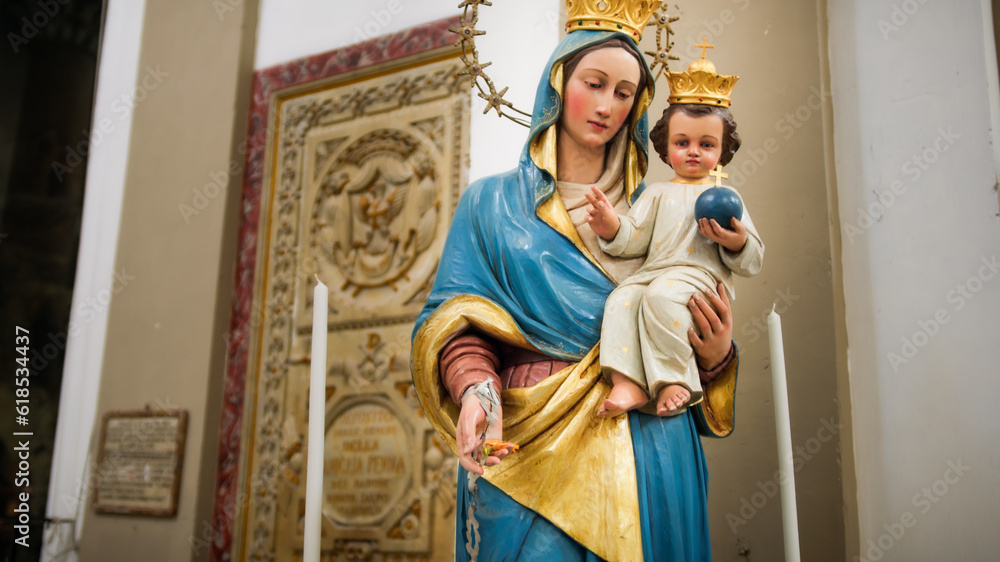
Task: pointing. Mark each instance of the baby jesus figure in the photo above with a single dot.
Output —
(645, 348)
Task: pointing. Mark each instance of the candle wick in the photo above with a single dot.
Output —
(774, 307)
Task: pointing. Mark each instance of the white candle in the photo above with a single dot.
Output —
(317, 414)
(784, 428)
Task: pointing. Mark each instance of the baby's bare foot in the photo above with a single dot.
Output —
(625, 395)
(670, 398)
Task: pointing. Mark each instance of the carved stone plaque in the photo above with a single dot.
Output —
(367, 464)
(361, 180)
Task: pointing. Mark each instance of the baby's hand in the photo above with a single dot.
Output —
(601, 215)
(732, 240)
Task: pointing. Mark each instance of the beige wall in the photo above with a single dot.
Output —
(778, 47)
(165, 342)
(918, 113)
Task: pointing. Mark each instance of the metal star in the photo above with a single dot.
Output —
(467, 30)
(494, 100)
(475, 70)
(662, 57)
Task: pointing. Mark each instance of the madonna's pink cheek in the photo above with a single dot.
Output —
(575, 104)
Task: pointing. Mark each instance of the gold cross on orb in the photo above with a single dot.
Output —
(719, 175)
(704, 46)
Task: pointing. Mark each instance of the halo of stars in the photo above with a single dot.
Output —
(477, 71)
(494, 98)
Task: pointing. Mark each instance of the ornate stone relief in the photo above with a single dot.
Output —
(363, 180)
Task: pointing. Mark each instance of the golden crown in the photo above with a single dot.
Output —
(627, 16)
(701, 84)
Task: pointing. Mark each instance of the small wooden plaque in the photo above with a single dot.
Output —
(139, 462)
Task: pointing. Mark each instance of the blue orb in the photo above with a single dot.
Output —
(721, 204)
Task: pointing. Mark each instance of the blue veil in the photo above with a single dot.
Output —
(498, 248)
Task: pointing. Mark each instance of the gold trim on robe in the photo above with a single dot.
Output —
(692, 182)
(719, 400)
(544, 148)
(573, 468)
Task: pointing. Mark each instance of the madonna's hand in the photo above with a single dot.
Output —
(714, 337)
(468, 435)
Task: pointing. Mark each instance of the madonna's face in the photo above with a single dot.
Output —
(599, 97)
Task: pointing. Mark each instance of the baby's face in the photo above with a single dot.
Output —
(695, 145)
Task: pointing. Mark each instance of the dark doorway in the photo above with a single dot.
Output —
(48, 68)
(996, 27)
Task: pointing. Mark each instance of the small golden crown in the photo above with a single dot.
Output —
(627, 16)
(701, 84)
